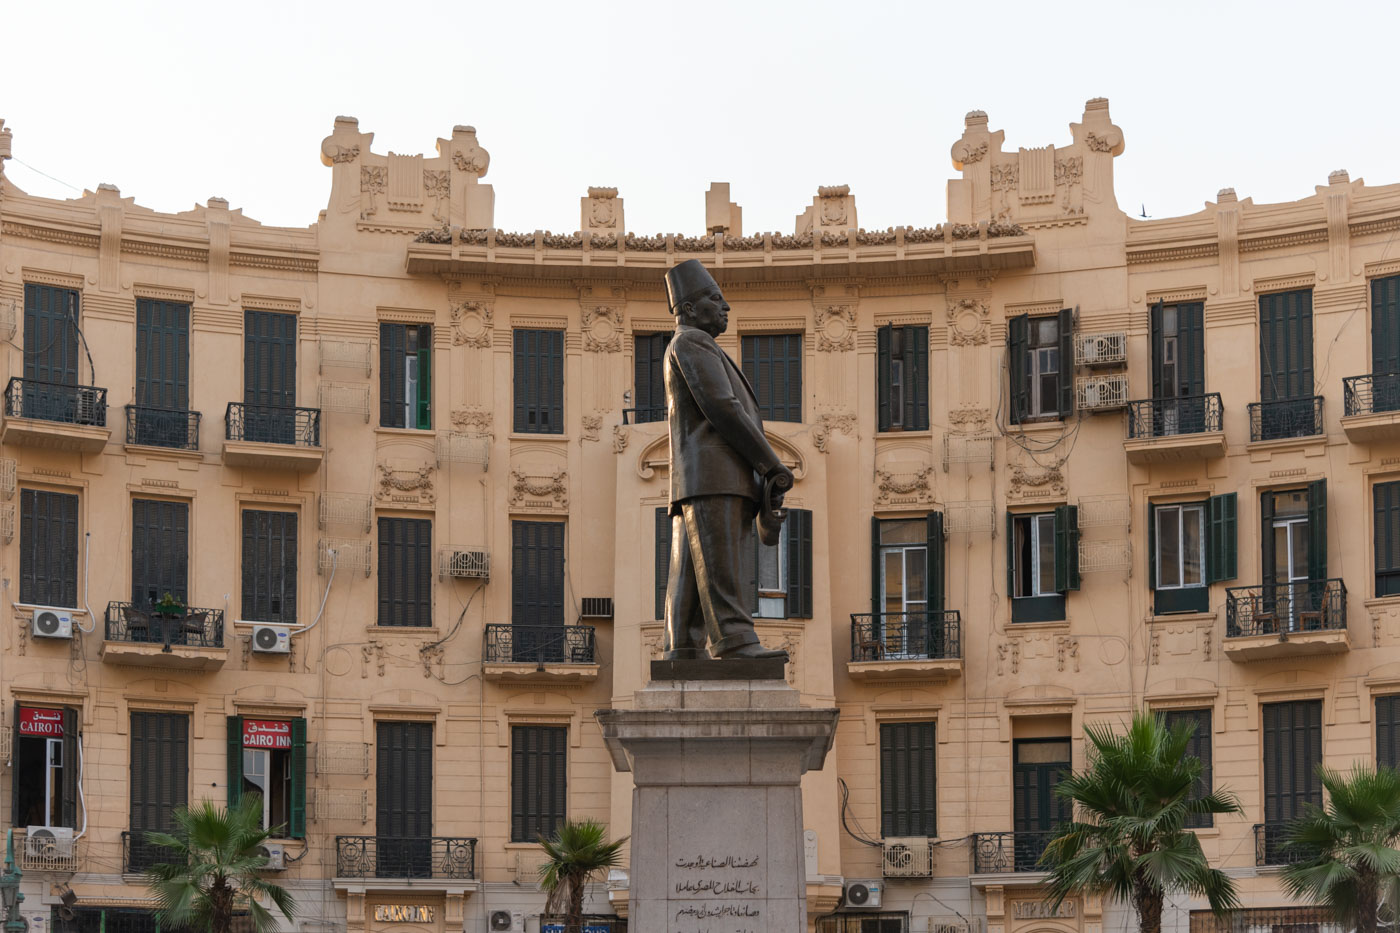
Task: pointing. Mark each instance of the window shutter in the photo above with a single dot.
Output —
(269, 359)
(50, 338)
(662, 558)
(648, 370)
(1010, 554)
(159, 769)
(1386, 523)
(15, 748)
(1066, 548)
(234, 762)
(159, 550)
(1317, 530)
(269, 570)
(1221, 539)
(537, 573)
(1385, 325)
(69, 807)
(1066, 406)
(424, 401)
(48, 548)
(1018, 367)
(1199, 746)
(1158, 348)
(877, 594)
(1286, 345)
(539, 782)
(554, 389)
(391, 375)
(1152, 548)
(934, 569)
(1266, 538)
(882, 375)
(799, 558)
(297, 830)
(162, 354)
(1388, 731)
(523, 394)
(1190, 347)
(908, 779)
(916, 376)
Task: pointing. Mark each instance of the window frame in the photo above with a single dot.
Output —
(1181, 508)
(1203, 717)
(758, 370)
(537, 379)
(36, 583)
(395, 361)
(1036, 522)
(899, 744)
(649, 373)
(251, 586)
(1385, 538)
(528, 767)
(1387, 715)
(419, 606)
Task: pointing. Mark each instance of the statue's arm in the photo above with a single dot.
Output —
(708, 380)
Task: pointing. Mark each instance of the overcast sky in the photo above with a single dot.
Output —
(175, 102)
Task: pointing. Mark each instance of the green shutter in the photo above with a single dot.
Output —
(1388, 731)
(16, 747)
(1010, 554)
(916, 378)
(877, 596)
(1222, 538)
(1266, 538)
(1317, 530)
(298, 828)
(1190, 347)
(662, 558)
(424, 401)
(1066, 406)
(1152, 547)
(937, 598)
(1018, 367)
(883, 338)
(799, 567)
(69, 814)
(1066, 548)
(1155, 336)
(234, 764)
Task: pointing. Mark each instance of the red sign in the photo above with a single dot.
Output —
(266, 733)
(45, 722)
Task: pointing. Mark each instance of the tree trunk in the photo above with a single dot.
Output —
(573, 922)
(221, 897)
(1147, 901)
(1367, 903)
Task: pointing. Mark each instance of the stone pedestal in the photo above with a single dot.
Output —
(717, 764)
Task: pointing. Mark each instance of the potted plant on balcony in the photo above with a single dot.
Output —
(169, 606)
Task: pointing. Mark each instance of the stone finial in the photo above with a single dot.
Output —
(6, 139)
(1226, 196)
(108, 186)
(975, 118)
(1339, 177)
(218, 203)
(834, 208)
(601, 211)
(1096, 103)
(721, 214)
(467, 154)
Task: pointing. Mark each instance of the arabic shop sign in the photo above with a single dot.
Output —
(266, 733)
(403, 913)
(42, 722)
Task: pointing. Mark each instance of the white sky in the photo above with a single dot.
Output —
(175, 102)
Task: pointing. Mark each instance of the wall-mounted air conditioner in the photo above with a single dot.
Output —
(1101, 349)
(910, 857)
(272, 639)
(48, 622)
(1101, 393)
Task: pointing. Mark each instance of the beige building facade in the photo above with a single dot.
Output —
(366, 517)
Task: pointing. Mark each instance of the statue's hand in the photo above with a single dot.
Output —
(782, 479)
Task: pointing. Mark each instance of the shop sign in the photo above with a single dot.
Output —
(403, 913)
(266, 733)
(44, 722)
(1040, 910)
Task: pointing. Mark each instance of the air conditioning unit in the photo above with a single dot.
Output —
(276, 856)
(954, 925)
(48, 842)
(863, 894)
(48, 622)
(597, 607)
(1100, 393)
(506, 921)
(908, 857)
(464, 562)
(1101, 349)
(272, 639)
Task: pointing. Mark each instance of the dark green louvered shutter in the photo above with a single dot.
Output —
(877, 592)
(1385, 325)
(159, 550)
(1018, 367)
(1292, 752)
(297, 829)
(773, 365)
(539, 381)
(50, 335)
(48, 548)
(537, 573)
(662, 558)
(1317, 530)
(269, 567)
(405, 571)
(937, 598)
(916, 378)
(1066, 334)
(404, 789)
(1152, 548)
(538, 781)
(1386, 522)
(648, 370)
(1157, 335)
(392, 340)
(1191, 355)
(69, 790)
(1388, 731)
(1066, 548)
(1266, 540)
(1199, 747)
(159, 769)
(799, 564)
(162, 354)
(1285, 345)
(1010, 554)
(234, 759)
(883, 337)
(424, 403)
(908, 779)
(1222, 540)
(270, 359)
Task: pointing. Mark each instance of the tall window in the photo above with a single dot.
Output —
(1388, 731)
(48, 541)
(50, 339)
(1040, 357)
(1292, 752)
(405, 571)
(773, 366)
(538, 780)
(403, 799)
(1199, 747)
(160, 775)
(906, 599)
(1385, 344)
(1294, 552)
(267, 758)
(537, 591)
(539, 381)
(405, 376)
(44, 759)
(902, 374)
(160, 409)
(160, 551)
(908, 779)
(649, 377)
(1286, 366)
(269, 571)
(884, 921)
(1386, 501)
(1042, 562)
(270, 379)
(783, 571)
(661, 558)
(1193, 544)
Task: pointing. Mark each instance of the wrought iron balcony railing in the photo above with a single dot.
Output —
(162, 427)
(643, 415)
(1003, 853)
(1372, 394)
(398, 857)
(267, 424)
(139, 855)
(540, 644)
(1169, 417)
(1270, 848)
(1268, 920)
(906, 636)
(1285, 417)
(1286, 608)
(51, 401)
(192, 628)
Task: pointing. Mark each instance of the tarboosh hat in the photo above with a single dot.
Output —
(685, 281)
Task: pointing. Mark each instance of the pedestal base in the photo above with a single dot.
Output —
(717, 806)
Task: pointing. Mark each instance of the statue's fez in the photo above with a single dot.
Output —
(719, 457)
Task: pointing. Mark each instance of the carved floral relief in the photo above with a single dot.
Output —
(471, 324)
(836, 328)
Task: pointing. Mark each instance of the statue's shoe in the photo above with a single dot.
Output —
(755, 651)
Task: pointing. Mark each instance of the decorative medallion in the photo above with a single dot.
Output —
(967, 322)
(602, 207)
(602, 329)
(969, 420)
(592, 426)
(1037, 481)
(836, 328)
(471, 324)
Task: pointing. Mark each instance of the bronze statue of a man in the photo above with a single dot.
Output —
(720, 464)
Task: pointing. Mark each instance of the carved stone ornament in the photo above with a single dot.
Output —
(834, 206)
(830, 422)
(836, 328)
(592, 426)
(602, 329)
(1066, 652)
(374, 180)
(1028, 481)
(968, 322)
(473, 160)
(968, 420)
(620, 437)
(1068, 175)
(345, 154)
(602, 207)
(549, 491)
(471, 324)
(438, 185)
(968, 154)
(473, 420)
(904, 487)
(409, 484)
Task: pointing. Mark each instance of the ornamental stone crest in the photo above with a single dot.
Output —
(620, 437)
(1037, 481)
(836, 328)
(438, 185)
(968, 322)
(592, 426)
(374, 180)
(829, 423)
(406, 484)
(602, 329)
(909, 486)
(549, 491)
(969, 420)
(473, 420)
(471, 324)
(833, 204)
(602, 208)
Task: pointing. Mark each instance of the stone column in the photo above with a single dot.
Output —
(717, 765)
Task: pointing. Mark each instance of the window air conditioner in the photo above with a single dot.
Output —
(597, 607)
(506, 921)
(272, 639)
(276, 856)
(48, 622)
(44, 843)
(910, 857)
(862, 894)
(1100, 393)
(464, 562)
(1109, 349)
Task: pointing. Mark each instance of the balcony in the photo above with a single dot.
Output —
(1007, 853)
(1372, 407)
(1281, 620)
(1268, 920)
(902, 645)
(192, 640)
(271, 438)
(54, 416)
(1172, 430)
(45, 854)
(1269, 847)
(643, 415)
(438, 857)
(540, 653)
(1285, 418)
(139, 855)
(162, 427)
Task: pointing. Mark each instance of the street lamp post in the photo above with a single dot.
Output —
(9, 889)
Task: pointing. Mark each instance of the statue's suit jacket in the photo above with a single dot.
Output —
(717, 442)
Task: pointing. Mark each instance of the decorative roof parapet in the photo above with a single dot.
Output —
(662, 242)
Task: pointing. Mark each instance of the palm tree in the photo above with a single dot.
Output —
(1351, 863)
(212, 869)
(1130, 841)
(578, 852)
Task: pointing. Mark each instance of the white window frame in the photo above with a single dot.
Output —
(1036, 520)
(772, 601)
(1180, 509)
(1041, 407)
